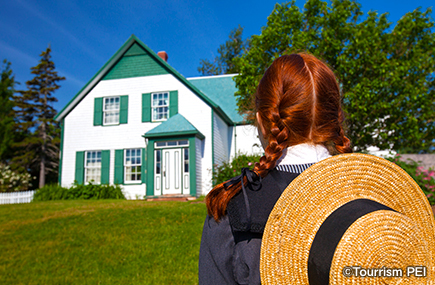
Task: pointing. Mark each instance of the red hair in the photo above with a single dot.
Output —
(298, 101)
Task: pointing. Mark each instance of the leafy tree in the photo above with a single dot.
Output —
(39, 148)
(224, 64)
(387, 74)
(7, 82)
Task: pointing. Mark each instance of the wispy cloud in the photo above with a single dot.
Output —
(32, 9)
(80, 83)
(18, 55)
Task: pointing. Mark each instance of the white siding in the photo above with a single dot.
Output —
(221, 141)
(245, 140)
(80, 134)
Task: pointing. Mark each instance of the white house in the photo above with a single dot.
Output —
(141, 124)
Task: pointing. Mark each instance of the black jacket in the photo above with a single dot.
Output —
(230, 248)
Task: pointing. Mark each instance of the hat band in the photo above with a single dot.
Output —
(330, 233)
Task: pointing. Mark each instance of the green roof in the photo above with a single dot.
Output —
(220, 89)
(175, 126)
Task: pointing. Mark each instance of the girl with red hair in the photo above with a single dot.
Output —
(299, 121)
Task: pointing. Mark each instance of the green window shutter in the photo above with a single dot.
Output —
(146, 107)
(105, 166)
(80, 167)
(123, 110)
(173, 103)
(98, 111)
(144, 166)
(119, 166)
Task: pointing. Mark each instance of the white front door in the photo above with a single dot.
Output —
(171, 171)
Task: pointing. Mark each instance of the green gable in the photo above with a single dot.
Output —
(135, 62)
(134, 59)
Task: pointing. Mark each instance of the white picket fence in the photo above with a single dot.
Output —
(16, 197)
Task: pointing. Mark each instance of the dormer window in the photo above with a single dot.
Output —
(160, 106)
(111, 110)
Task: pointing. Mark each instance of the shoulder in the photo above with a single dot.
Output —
(261, 201)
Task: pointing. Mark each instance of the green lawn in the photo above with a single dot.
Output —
(100, 242)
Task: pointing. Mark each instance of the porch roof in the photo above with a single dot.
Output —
(175, 126)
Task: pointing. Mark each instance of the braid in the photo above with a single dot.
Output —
(278, 141)
(342, 143)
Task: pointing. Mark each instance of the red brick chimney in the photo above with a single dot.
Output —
(163, 55)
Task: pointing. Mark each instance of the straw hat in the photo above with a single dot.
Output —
(352, 211)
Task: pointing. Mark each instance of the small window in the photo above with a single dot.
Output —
(160, 106)
(186, 160)
(133, 165)
(111, 110)
(93, 167)
(171, 143)
(158, 161)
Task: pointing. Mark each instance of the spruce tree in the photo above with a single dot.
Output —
(7, 83)
(39, 149)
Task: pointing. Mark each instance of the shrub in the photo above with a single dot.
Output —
(227, 171)
(78, 191)
(11, 181)
(424, 178)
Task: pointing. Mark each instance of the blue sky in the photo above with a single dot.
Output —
(84, 34)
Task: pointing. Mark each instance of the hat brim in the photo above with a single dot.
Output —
(383, 238)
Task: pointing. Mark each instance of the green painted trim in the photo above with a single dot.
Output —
(192, 166)
(150, 163)
(98, 111)
(99, 75)
(118, 177)
(150, 168)
(105, 166)
(212, 146)
(173, 103)
(146, 107)
(185, 133)
(80, 167)
(62, 132)
(123, 109)
(132, 183)
(114, 59)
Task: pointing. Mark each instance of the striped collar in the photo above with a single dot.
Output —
(299, 157)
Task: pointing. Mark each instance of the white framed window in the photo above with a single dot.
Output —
(111, 108)
(132, 165)
(93, 167)
(165, 144)
(160, 106)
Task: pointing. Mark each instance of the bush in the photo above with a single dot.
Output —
(424, 178)
(78, 191)
(11, 181)
(227, 171)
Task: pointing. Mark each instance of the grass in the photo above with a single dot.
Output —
(100, 242)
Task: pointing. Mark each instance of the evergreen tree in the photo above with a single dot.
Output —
(39, 148)
(7, 82)
(224, 63)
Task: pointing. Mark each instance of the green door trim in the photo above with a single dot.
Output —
(150, 162)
